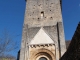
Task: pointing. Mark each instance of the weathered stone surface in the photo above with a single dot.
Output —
(44, 14)
(67, 43)
(40, 37)
(51, 13)
(42, 50)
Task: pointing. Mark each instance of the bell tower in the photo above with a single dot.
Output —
(43, 33)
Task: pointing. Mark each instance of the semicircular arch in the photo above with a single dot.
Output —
(43, 53)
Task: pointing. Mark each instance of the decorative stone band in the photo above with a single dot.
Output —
(41, 45)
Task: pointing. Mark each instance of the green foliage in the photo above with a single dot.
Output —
(5, 59)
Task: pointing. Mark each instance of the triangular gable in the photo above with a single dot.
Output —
(41, 38)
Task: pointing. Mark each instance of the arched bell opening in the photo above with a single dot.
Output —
(43, 54)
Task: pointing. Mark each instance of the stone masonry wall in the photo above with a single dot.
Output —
(50, 9)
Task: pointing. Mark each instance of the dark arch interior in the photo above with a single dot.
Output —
(42, 58)
(45, 54)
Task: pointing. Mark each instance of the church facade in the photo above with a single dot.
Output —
(43, 32)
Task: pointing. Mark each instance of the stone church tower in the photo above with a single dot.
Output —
(43, 35)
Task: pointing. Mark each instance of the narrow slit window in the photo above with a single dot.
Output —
(42, 14)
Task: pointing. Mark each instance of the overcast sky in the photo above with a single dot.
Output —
(12, 16)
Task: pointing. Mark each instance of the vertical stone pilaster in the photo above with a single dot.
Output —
(23, 43)
(62, 45)
(56, 43)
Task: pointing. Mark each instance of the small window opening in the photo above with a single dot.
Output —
(42, 14)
